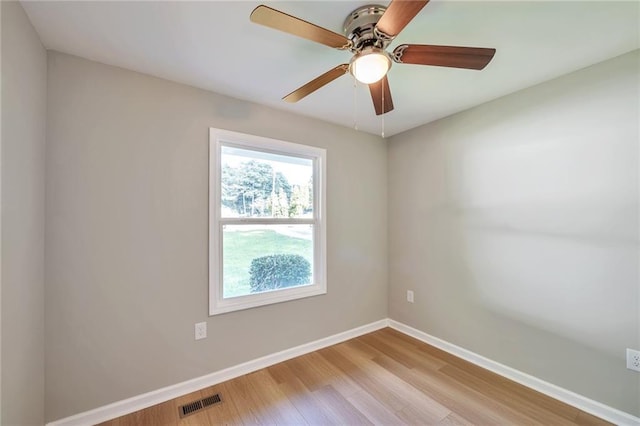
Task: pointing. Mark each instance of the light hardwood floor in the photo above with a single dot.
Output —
(384, 377)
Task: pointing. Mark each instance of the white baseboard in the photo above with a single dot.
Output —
(583, 403)
(130, 405)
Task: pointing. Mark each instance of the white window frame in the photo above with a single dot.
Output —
(217, 303)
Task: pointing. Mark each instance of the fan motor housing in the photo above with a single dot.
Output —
(360, 25)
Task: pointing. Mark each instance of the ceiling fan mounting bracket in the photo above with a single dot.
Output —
(397, 53)
(385, 38)
(360, 28)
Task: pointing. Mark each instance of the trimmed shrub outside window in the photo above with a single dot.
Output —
(278, 271)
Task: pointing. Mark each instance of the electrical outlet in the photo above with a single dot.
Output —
(633, 360)
(201, 330)
(410, 296)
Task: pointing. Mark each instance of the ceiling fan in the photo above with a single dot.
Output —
(368, 32)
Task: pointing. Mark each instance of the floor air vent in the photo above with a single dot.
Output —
(195, 406)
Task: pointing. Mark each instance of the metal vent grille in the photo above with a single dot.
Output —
(195, 406)
(210, 400)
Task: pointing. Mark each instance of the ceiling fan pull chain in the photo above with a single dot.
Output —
(382, 109)
(355, 103)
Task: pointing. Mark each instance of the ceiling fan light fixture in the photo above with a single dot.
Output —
(370, 65)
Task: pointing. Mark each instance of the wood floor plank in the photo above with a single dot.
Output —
(309, 404)
(586, 419)
(403, 353)
(253, 411)
(224, 413)
(373, 409)
(384, 377)
(306, 402)
(467, 403)
(544, 401)
(338, 408)
(390, 390)
(161, 414)
(315, 372)
(454, 420)
(364, 375)
(281, 372)
(267, 391)
(492, 390)
(443, 394)
(430, 413)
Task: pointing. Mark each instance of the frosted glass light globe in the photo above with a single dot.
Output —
(370, 66)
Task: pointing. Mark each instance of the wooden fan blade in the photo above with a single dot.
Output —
(475, 58)
(275, 19)
(381, 96)
(317, 83)
(398, 15)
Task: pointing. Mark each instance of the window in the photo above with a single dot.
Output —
(266, 221)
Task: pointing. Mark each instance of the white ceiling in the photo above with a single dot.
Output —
(214, 46)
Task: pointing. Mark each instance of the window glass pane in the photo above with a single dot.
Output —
(260, 184)
(259, 258)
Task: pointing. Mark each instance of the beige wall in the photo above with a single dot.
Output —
(24, 77)
(126, 235)
(516, 224)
